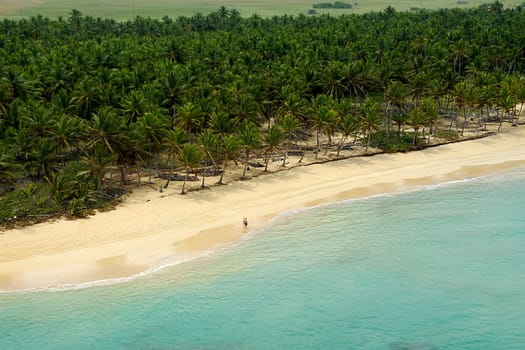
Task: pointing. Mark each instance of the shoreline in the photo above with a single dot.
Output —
(149, 227)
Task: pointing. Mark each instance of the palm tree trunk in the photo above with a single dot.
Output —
(341, 142)
(246, 164)
(266, 160)
(203, 176)
(302, 154)
(169, 177)
(286, 149)
(318, 144)
(518, 116)
(464, 121)
(204, 171)
(185, 179)
(138, 175)
(223, 170)
(123, 175)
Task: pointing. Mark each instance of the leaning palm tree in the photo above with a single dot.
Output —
(323, 120)
(189, 157)
(417, 119)
(174, 140)
(272, 139)
(507, 103)
(290, 124)
(230, 148)
(370, 121)
(249, 137)
(347, 126)
(431, 111)
(98, 162)
(208, 141)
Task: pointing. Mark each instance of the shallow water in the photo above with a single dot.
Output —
(441, 267)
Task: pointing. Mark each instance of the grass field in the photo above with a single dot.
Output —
(126, 9)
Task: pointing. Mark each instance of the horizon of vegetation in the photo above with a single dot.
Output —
(126, 10)
(85, 102)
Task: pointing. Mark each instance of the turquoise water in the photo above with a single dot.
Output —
(437, 268)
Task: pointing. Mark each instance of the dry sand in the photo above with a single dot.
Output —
(150, 227)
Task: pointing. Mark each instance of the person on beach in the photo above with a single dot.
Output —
(245, 222)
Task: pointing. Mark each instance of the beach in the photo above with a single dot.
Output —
(150, 227)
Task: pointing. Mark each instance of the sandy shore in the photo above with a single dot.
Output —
(150, 227)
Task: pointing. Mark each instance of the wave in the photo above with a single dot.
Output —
(158, 266)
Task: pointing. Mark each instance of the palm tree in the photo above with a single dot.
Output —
(98, 161)
(272, 139)
(294, 105)
(331, 80)
(106, 129)
(189, 157)
(208, 141)
(507, 103)
(400, 119)
(417, 119)
(6, 96)
(17, 83)
(150, 128)
(249, 137)
(221, 123)
(245, 108)
(370, 121)
(133, 106)
(289, 124)
(431, 113)
(67, 132)
(356, 77)
(86, 96)
(396, 94)
(8, 168)
(347, 126)
(520, 96)
(172, 88)
(323, 120)
(230, 148)
(190, 117)
(174, 141)
(42, 159)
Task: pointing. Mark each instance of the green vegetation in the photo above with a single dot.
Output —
(86, 104)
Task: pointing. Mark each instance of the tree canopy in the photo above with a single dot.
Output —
(83, 97)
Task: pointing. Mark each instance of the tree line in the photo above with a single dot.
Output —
(86, 102)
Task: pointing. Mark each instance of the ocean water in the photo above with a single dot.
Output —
(439, 267)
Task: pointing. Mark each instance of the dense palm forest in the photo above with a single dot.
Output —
(86, 103)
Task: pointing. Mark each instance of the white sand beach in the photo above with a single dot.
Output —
(150, 226)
